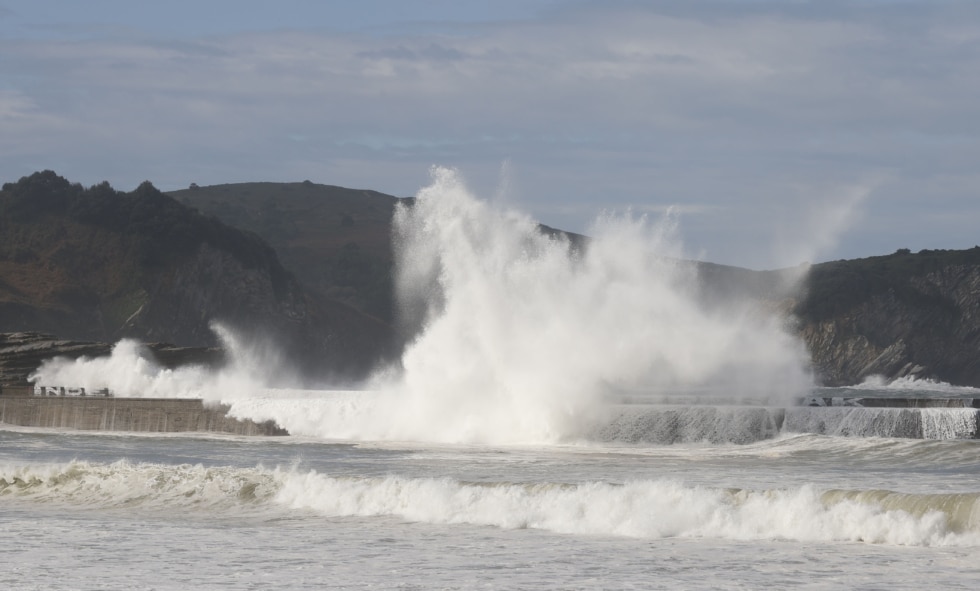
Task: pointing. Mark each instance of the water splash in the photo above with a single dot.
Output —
(522, 336)
(131, 371)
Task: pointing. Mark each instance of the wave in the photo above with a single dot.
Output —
(651, 509)
(642, 509)
(143, 485)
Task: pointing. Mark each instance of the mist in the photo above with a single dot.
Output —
(525, 336)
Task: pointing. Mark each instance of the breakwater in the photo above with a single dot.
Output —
(145, 415)
(747, 424)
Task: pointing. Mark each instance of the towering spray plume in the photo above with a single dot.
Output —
(520, 336)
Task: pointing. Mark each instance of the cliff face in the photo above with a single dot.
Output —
(337, 241)
(896, 316)
(98, 265)
(213, 285)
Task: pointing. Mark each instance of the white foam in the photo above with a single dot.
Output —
(643, 509)
(130, 372)
(337, 414)
(519, 337)
(949, 423)
(128, 484)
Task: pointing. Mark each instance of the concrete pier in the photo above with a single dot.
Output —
(145, 415)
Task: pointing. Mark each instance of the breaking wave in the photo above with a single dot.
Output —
(642, 509)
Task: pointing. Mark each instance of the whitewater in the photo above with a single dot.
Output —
(565, 415)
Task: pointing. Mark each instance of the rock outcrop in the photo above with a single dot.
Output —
(901, 315)
(97, 265)
(336, 241)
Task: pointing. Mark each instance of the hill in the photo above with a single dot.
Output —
(899, 315)
(337, 241)
(94, 264)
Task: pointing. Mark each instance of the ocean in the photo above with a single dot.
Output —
(792, 510)
(562, 417)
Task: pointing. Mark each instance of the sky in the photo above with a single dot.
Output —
(776, 132)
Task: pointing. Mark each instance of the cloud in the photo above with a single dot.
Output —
(720, 107)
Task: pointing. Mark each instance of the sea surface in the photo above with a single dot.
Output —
(82, 510)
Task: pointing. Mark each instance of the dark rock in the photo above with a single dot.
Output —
(96, 265)
(904, 315)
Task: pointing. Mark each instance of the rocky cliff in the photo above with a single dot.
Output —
(337, 241)
(98, 265)
(899, 315)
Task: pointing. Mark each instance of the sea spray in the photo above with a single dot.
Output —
(521, 336)
(130, 371)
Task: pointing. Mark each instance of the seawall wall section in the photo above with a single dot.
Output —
(145, 415)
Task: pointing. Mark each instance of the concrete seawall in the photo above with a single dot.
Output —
(146, 415)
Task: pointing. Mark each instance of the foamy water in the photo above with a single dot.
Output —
(104, 511)
(635, 508)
